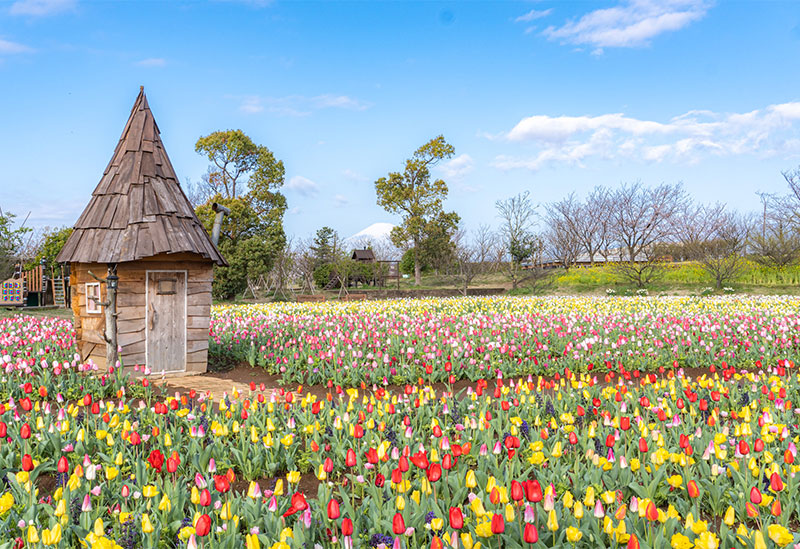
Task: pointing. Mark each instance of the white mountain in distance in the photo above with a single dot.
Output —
(376, 231)
(376, 236)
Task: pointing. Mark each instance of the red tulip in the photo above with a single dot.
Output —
(775, 509)
(573, 438)
(744, 448)
(221, 483)
(203, 526)
(652, 512)
(625, 423)
(298, 504)
(63, 465)
(398, 524)
(434, 472)
(517, 492)
(752, 512)
(788, 456)
(533, 491)
(633, 542)
(327, 465)
(402, 464)
(205, 498)
(436, 543)
(498, 524)
(27, 463)
(775, 482)
(4, 431)
(755, 495)
(333, 509)
(135, 438)
(420, 459)
(759, 445)
(372, 456)
(456, 518)
(610, 440)
(380, 480)
(172, 465)
(642, 444)
(25, 431)
(531, 534)
(448, 462)
(350, 458)
(347, 527)
(693, 490)
(156, 460)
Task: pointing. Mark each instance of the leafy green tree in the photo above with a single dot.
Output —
(416, 198)
(246, 178)
(10, 242)
(438, 248)
(326, 246)
(52, 242)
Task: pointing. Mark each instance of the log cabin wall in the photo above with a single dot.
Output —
(131, 309)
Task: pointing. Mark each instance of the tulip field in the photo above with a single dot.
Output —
(584, 422)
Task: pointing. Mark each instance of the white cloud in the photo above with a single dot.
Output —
(340, 200)
(458, 167)
(41, 8)
(572, 140)
(354, 176)
(533, 15)
(299, 105)
(7, 47)
(632, 23)
(303, 186)
(295, 211)
(152, 62)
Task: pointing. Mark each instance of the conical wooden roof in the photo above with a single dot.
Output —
(138, 209)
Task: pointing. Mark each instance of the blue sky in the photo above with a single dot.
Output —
(550, 97)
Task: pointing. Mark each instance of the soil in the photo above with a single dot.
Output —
(246, 374)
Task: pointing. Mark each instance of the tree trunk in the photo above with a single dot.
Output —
(111, 322)
(417, 266)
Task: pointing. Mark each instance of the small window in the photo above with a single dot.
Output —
(92, 298)
(167, 286)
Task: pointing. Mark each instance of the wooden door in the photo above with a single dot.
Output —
(166, 321)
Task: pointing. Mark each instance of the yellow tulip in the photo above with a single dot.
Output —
(165, 504)
(251, 542)
(400, 503)
(99, 527)
(730, 516)
(147, 526)
(574, 535)
(471, 480)
(552, 521)
(33, 535)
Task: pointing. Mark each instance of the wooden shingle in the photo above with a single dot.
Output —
(138, 208)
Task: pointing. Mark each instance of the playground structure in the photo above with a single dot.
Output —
(36, 287)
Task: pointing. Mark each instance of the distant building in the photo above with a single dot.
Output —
(365, 256)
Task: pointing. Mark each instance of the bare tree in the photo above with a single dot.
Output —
(518, 216)
(303, 265)
(594, 223)
(778, 245)
(719, 244)
(486, 244)
(696, 225)
(472, 257)
(561, 241)
(641, 219)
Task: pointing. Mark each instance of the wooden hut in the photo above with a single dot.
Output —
(140, 225)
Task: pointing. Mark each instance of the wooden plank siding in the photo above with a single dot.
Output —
(131, 308)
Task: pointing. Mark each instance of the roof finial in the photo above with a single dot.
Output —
(141, 89)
